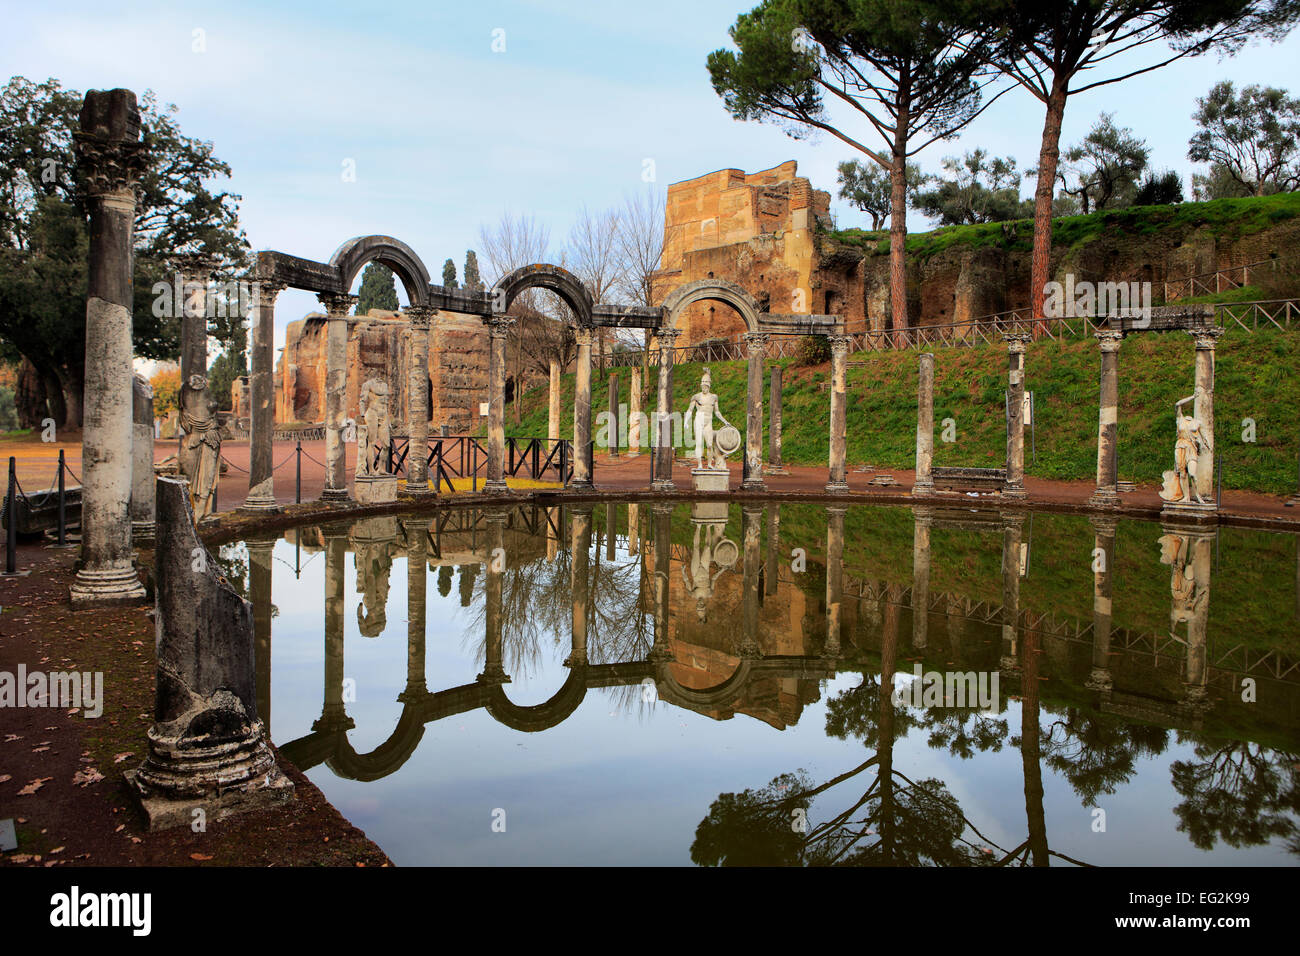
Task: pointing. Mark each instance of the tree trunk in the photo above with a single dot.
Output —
(898, 224)
(54, 398)
(1049, 156)
(74, 388)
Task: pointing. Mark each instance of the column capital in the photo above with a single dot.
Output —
(111, 167)
(499, 324)
(755, 342)
(196, 266)
(420, 316)
(582, 335)
(337, 305)
(1206, 338)
(1017, 342)
(1104, 525)
(839, 344)
(1109, 340)
(266, 288)
(667, 337)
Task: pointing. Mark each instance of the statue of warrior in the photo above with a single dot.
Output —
(1180, 484)
(200, 452)
(700, 580)
(702, 424)
(373, 432)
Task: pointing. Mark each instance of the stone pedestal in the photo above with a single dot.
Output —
(375, 489)
(710, 479)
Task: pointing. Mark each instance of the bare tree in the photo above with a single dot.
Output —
(594, 256)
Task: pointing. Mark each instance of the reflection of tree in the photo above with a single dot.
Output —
(962, 731)
(444, 579)
(1096, 752)
(1240, 793)
(232, 564)
(468, 572)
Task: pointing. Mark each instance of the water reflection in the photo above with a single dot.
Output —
(651, 604)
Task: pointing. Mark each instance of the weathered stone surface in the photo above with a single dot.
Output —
(142, 477)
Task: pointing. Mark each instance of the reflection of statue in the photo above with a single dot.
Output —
(1180, 484)
(374, 564)
(200, 453)
(702, 425)
(710, 547)
(373, 433)
(1176, 551)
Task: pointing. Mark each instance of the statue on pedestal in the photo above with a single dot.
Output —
(200, 453)
(373, 431)
(714, 447)
(1180, 484)
(710, 548)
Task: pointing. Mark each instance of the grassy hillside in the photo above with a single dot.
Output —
(1256, 378)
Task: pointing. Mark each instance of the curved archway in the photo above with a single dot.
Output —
(393, 253)
(531, 719)
(543, 275)
(718, 696)
(718, 290)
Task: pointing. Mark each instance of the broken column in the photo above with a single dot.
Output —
(613, 426)
(336, 394)
(498, 329)
(756, 352)
(261, 479)
(664, 413)
(111, 158)
(206, 748)
(417, 401)
(834, 577)
(1107, 493)
(634, 414)
(582, 413)
(924, 482)
(199, 451)
(1103, 553)
(839, 481)
(774, 463)
(924, 519)
(1017, 342)
(142, 476)
(1206, 340)
(579, 582)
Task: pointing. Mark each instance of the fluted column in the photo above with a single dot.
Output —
(498, 329)
(111, 159)
(336, 395)
(924, 519)
(1107, 493)
(663, 426)
(579, 582)
(1017, 342)
(1102, 577)
(417, 576)
(834, 578)
(417, 401)
(924, 482)
(839, 477)
(756, 350)
(582, 413)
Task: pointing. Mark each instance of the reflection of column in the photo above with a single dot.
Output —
(582, 412)
(1103, 557)
(1196, 673)
(259, 593)
(334, 717)
(751, 516)
(663, 426)
(1204, 410)
(839, 480)
(662, 544)
(417, 401)
(1012, 526)
(261, 396)
(336, 395)
(613, 425)
(553, 520)
(611, 539)
(1107, 494)
(634, 414)
(633, 528)
(111, 158)
(774, 464)
(1016, 345)
(956, 612)
(493, 670)
(924, 483)
(417, 572)
(756, 349)
(580, 582)
(773, 547)
(921, 577)
(498, 329)
(834, 577)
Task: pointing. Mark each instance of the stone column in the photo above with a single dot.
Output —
(611, 538)
(751, 523)
(498, 329)
(924, 483)
(206, 747)
(1107, 493)
(834, 577)
(613, 428)
(142, 476)
(756, 349)
(1196, 670)
(772, 571)
(1206, 340)
(111, 158)
(334, 716)
(634, 414)
(417, 401)
(663, 426)
(261, 392)
(774, 463)
(582, 413)
(662, 544)
(493, 663)
(1016, 345)
(633, 528)
(417, 593)
(579, 582)
(1012, 528)
(553, 403)
(839, 481)
(1103, 556)
(192, 275)
(924, 519)
(260, 555)
(336, 395)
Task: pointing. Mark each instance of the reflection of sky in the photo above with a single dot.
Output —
(613, 785)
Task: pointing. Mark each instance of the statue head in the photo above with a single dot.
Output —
(701, 610)
(706, 382)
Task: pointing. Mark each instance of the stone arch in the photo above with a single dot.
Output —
(719, 696)
(542, 275)
(531, 719)
(717, 290)
(393, 253)
(385, 759)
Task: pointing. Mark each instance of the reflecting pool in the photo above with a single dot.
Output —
(657, 683)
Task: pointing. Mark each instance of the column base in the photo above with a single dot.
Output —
(576, 485)
(495, 486)
(418, 491)
(494, 674)
(837, 487)
(576, 660)
(335, 495)
(753, 484)
(259, 506)
(100, 588)
(1014, 492)
(660, 655)
(1099, 679)
(662, 484)
(1189, 511)
(777, 469)
(1104, 498)
(142, 532)
(923, 489)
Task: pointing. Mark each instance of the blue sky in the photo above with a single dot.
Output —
(447, 134)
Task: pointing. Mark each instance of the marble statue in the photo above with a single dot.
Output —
(373, 431)
(1180, 484)
(709, 548)
(200, 453)
(704, 405)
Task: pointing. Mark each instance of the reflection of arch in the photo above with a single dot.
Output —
(539, 716)
(393, 253)
(384, 759)
(717, 697)
(541, 275)
(718, 290)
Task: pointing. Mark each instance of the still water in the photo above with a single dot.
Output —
(705, 683)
